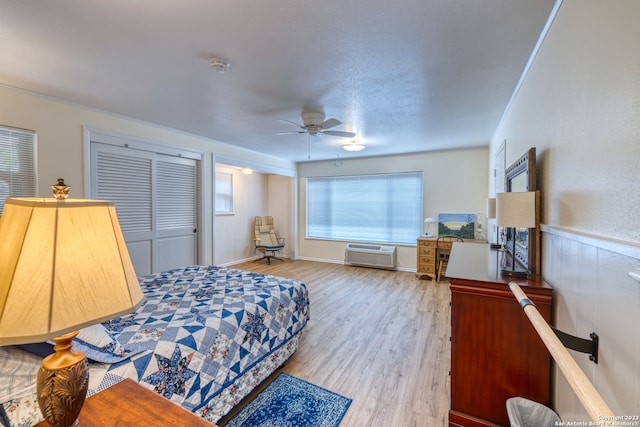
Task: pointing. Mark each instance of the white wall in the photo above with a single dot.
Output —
(59, 126)
(454, 181)
(580, 106)
(234, 232)
(253, 195)
(281, 206)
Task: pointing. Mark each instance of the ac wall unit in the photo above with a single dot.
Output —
(376, 256)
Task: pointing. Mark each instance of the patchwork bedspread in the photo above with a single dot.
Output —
(206, 336)
(204, 328)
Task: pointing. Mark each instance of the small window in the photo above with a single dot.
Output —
(17, 164)
(224, 193)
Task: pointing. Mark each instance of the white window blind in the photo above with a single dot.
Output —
(224, 193)
(384, 208)
(17, 164)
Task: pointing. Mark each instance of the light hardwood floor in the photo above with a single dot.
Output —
(378, 337)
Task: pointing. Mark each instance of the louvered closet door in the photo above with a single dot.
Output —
(156, 201)
(176, 207)
(125, 177)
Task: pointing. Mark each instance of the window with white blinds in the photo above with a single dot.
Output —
(17, 164)
(384, 208)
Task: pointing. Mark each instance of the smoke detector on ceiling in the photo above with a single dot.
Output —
(219, 65)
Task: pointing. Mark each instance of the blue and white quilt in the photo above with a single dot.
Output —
(206, 336)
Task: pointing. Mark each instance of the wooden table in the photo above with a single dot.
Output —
(130, 404)
(495, 351)
(427, 255)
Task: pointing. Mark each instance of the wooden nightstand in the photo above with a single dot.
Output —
(130, 404)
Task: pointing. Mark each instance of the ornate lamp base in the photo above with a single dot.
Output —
(62, 385)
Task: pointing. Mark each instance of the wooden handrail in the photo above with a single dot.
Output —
(595, 406)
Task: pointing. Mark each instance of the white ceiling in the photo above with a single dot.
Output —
(405, 75)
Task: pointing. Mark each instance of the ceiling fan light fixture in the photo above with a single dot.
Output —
(353, 147)
(219, 65)
(313, 119)
(315, 125)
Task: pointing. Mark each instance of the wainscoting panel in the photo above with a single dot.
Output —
(593, 293)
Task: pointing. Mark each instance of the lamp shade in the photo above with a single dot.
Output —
(516, 209)
(491, 208)
(65, 265)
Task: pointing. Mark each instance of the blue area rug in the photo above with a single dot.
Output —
(289, 401)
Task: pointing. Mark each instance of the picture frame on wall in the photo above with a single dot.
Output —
(457, 224)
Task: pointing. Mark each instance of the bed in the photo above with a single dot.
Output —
(204, 338)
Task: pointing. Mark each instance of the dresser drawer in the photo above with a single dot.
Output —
(426, 260)
(426, 250)
(427, 269)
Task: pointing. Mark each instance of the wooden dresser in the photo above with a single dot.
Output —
(495, 351)
(427, 253)
(426, 262)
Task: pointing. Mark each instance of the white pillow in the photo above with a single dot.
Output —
(19, 368)
(96, 335)
(98, 344)
(19, 372)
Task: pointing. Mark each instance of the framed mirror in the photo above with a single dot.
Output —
(521, 176)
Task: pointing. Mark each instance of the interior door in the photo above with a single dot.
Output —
(156, 201)
(125, 177)
(176, 207)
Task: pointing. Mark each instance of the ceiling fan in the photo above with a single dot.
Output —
(315, 124)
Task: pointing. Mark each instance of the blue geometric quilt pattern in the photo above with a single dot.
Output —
(203, 327)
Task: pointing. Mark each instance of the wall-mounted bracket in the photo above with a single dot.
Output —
(580, 344)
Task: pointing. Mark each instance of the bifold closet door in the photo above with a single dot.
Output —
(156, 202)
(176, 207)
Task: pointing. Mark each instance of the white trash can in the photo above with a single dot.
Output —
(527, 413)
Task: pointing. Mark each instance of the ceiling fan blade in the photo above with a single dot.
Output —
(339, 133)
(330, 123)
(291, 133)
(291, 123)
